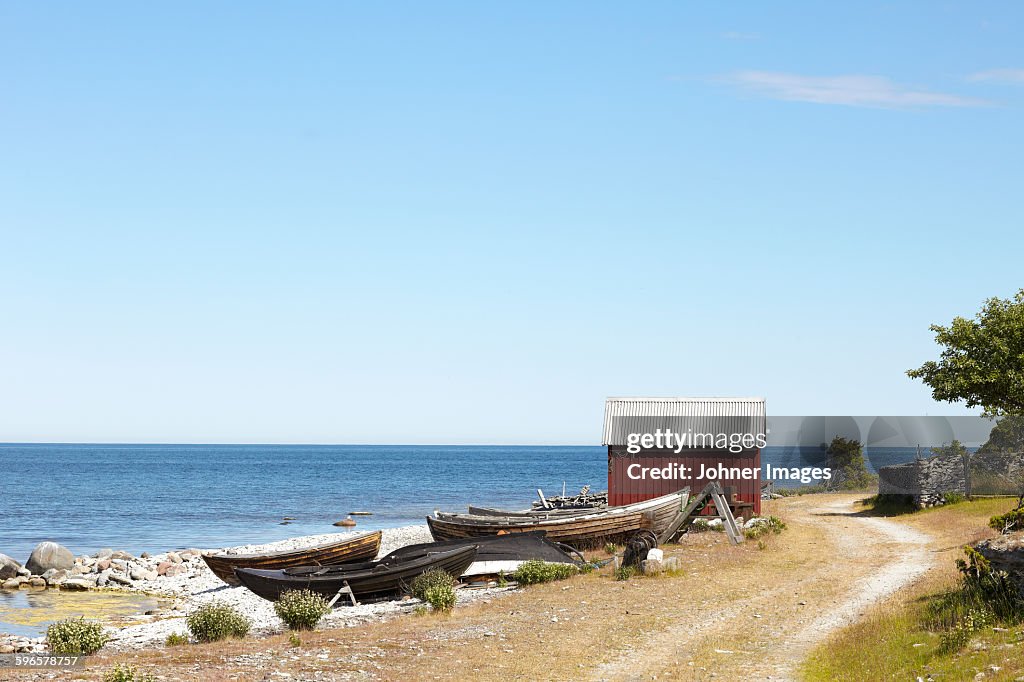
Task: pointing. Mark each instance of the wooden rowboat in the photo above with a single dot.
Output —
(358, 548)
(582, 529)
(368, 581)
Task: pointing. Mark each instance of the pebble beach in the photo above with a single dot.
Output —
(183, 582)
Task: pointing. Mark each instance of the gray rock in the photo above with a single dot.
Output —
(25, 572)
(756, 521)
(174, 557)
(651, 566)
(143, 574)
(8, 567)
(49, 555)
(37, 581)
(119, 578)
(14, 583)
(103, 578)
(119, 554)
(55, 576)
(104, 553)
(77, 584)
(175, 569)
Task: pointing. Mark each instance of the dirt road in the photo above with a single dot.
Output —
(768, 628)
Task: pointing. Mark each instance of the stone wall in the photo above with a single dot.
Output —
(925, 480)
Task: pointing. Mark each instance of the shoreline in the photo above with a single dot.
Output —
(193, 584)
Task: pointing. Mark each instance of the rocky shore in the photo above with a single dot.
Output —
(182, 578)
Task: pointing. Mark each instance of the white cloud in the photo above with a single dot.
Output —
(852, 90)
(999, 75)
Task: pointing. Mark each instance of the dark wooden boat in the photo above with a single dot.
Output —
(358, 548)
(498, 554)
(578, 528)
(369, 581)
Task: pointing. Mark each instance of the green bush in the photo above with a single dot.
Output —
(176, 639)
(294, 640)
(216, 621)
(953, 498)
(534, 571)
(435, 577)
(625, 572)
(773, 525)
(75, 636)
(440, 597)
(610, 548)
(1011, 520)
(301, 609)
(127, 673)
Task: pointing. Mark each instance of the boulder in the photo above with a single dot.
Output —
(25, 572)
(755, 521)
(102, 565)
(175, 569)
(651, 566)
(103, 578)
(55, 576)
(119, 554)
(37, 581)
(13, 583)
(672, 564)
(174, 557)
(8, 567)
(49, 555)
(104, 553)
(77, 584)
(119, 578)
(1006, 553)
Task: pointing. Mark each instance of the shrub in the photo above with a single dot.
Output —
(216, 621)
(176, 639)
(610, 548)
(534, 572)
(625, 572)
(127, 673)
(773, 525)
(1011, 520)
(953, 498)
(294, 640)
(75, 636)
(301, 609)
(435, 577)
(440, 597)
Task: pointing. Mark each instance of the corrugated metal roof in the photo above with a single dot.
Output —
(623, 416)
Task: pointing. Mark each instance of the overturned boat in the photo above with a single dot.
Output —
(368, 581)
(358, 548)
(577, 528)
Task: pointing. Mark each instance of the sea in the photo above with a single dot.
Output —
(160, 497)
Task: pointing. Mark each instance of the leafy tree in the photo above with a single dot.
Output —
(982, 362)
(846, 459)
(954, 448)
(1006, 436)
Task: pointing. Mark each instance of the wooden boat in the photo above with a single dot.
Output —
(370, 580)
(357, 548)
(580, 528)
(528, 513)
(497, 554)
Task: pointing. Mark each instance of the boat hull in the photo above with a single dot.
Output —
(358, 548)
(369, 581)
(584, 529)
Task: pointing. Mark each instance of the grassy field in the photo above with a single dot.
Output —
(903, 638)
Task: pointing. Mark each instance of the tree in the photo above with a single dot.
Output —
(846, 459)
(1006, 436)
(982, 362)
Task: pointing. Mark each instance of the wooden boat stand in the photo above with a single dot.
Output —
(344, 589)
(713, 492)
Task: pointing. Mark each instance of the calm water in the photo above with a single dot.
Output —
(159, 497)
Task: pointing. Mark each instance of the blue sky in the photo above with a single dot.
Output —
(472, 222)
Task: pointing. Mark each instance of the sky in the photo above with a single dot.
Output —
(472, 222)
